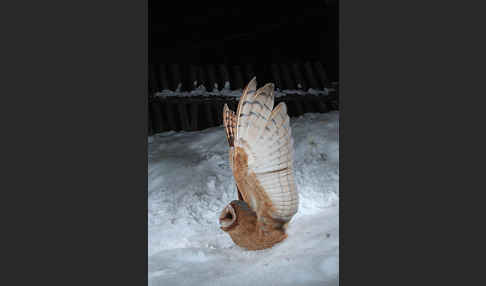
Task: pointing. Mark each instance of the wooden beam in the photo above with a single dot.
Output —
(249, 73)
(218, 111)
(298, 107)
(309, 74)
(176, 76)
(156, 112)
(202, 77)
(276, 76)
(213, 83)
(154, 82)
(225, 76)
(287, 78)
(299, 78)
(183, 117)
(238, 78)
(164, 82)
(321, 74)
(171, 118)
(209, 113)
(194, 115)
(321, 105)
(193, 77)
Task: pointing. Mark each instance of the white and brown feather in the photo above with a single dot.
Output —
(229, 122)
(261, 157)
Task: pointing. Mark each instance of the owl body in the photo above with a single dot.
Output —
(250, 234)
(261, 150)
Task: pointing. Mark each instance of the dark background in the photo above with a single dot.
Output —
(236, 35)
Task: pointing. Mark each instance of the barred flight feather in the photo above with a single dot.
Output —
(264, 133)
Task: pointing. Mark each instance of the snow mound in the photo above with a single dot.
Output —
(190, 182)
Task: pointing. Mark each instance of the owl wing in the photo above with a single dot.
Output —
(229, 123)
(263, 154)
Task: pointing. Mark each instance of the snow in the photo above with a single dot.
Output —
(190, 182)
(226, 91)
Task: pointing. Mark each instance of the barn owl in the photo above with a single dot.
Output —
(261, 156)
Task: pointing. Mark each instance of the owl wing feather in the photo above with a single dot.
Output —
(229, 123)
(263, 155)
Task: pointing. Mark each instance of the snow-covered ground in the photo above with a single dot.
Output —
(190, 182)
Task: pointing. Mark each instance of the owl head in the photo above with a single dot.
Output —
(227, 218)
(235, 213)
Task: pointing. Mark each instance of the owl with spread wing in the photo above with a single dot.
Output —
(261, 157)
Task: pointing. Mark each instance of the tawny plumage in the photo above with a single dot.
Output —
(261, 156)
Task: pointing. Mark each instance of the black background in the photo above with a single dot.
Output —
(238, 35)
